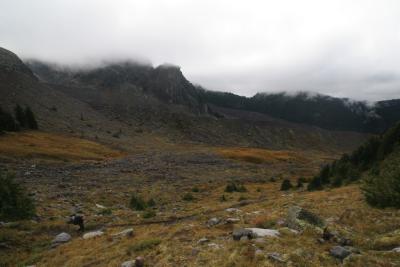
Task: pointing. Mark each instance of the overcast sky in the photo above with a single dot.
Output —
(337, 47)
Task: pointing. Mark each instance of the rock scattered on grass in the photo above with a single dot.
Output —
(260, 232)
(126, 232)
(396, 250)
(232, 220)
(241, 232)
(275, 256)
(60, 238)
(92, 234)
(130, 263)
(202, 241)
(213, 221)
(340, 252)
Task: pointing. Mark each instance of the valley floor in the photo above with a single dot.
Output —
(178, 231)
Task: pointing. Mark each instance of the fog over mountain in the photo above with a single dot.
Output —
(339, 48)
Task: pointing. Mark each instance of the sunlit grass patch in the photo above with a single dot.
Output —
(259, 156)
(53, 147)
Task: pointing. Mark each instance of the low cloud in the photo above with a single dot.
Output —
(341, 48)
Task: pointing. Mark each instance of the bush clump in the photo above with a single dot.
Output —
(382, 187)
(286, 185)
(188, 197)
(137, 203)
(233, 187)
(14, 202)
(149, 214)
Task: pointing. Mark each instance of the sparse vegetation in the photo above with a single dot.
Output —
(286, 185)
(151, 203)
(149, 214)
(195, 189)
(234, 187)
(137, 203)
(144, 244)
(14, 202)
(188, 197)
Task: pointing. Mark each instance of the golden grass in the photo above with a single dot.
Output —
(257, 155)
(36, 144)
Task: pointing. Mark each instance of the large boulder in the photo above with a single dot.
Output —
(61, 238)
(297, 218)
(250, 233)
(92, 234)
(239, 233)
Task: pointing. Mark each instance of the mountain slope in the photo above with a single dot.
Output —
(161, 100)
(55, 111)
(319, 110)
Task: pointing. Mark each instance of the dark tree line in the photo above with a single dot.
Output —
(23, 118)
(366, 158)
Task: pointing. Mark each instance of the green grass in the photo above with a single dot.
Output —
(144, 245)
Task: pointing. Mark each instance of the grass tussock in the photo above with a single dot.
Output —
(144, 245)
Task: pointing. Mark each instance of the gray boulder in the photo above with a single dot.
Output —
(61, 238)
(130, 263)
(396, 250)
(213, 221)
(340, 252)
(260, 232)
(239, 233)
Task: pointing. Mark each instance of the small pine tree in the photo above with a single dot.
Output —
(286, 185)
(137, 203)
(14, 203)
(151, 202)
(31, 122)
(20, 116)
(7, 122)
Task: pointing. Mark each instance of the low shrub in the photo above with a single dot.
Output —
(137, 203)
(188, 197)
(286, 185)
(14, 202)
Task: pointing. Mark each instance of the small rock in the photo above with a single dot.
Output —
(260, 232)
(202, 241)
(232, 210)
(61, 238)
(100, 206)
(213, 221)
(339, 252)
(92, 234)
(232, 220)
(139, 261)
(396, 250)
(276, 257)
(130, 263)
(214, 246)
(126, 232)
(238, 233)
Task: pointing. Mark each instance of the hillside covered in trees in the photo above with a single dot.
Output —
(376, 161)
